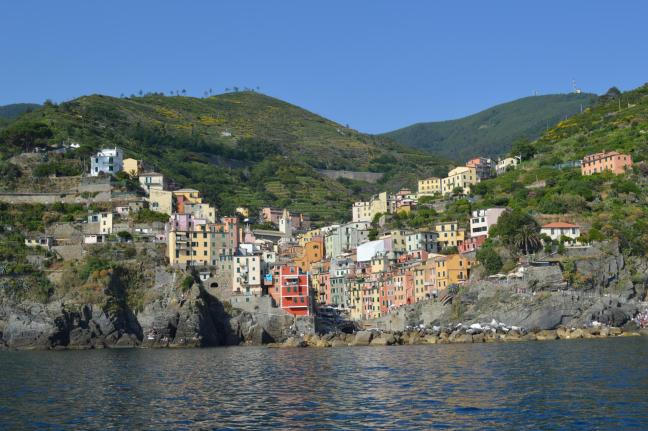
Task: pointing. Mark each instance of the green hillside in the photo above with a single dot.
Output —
(237, 148)
(492, 131)
(607, 206)
(8, 113)
(13, 111)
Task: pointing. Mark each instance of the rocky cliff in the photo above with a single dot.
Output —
(135, 303)
(596, 284)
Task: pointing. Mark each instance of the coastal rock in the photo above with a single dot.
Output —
(362, 338)
(383, 340)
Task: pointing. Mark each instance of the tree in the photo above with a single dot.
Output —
(26, 135)
(184, 92)
(490, 259)
(528, 239)
(518, 230)
(523, 148)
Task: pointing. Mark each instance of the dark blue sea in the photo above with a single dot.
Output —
(566, 385)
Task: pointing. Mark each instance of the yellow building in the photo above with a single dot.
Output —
(132, 166)
(161, 201)
(429, 186)
(462, 177)
(449, 234)
(308, 236)
(421, 284)
(450, 270)
(189, 246)
(356, 300)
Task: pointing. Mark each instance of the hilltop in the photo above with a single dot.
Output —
(241, 148)
(492, 132)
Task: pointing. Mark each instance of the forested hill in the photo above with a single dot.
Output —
(240, 148)
(492, 131)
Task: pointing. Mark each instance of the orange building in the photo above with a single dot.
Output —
(311, 252)
(612, 161)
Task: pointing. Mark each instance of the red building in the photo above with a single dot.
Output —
(292, 291)
(472, 244)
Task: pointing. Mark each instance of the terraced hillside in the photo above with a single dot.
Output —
(238, 148)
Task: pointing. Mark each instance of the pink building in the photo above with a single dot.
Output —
(612, 161)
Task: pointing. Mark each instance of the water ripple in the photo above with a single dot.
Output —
(585, 384)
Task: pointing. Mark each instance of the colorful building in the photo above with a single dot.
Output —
(612, 161)
(557, 230)
(461, 177)
(449, 234)
(484, 167)
(292, 291)
(429, 186)
(482, 220)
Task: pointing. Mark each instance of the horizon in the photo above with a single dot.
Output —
(356, 67)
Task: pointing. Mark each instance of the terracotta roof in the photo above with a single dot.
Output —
(560, 224)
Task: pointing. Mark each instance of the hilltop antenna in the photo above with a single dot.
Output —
(575, 89)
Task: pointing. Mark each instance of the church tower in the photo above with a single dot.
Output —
(285, 225)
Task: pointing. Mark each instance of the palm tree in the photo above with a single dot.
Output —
(527, 239)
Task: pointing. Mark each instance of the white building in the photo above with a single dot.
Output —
(246, 275)
(201, 211)
(285, 223)
(557, 230)
(361, 211)
(151, 180)
(482, 220)
(108, 160)
(345, 238)
(104, 222)
(504, 164)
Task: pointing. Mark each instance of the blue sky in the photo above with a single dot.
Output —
(376, 65)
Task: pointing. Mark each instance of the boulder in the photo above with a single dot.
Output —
(546, 335)
(362, 338)
(383, 340)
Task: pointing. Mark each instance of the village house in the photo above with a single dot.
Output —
(299, 222)
(506, 163)
(108, 161)
(161, 201)
(35, 239)
(292, 291)
(449, 234)
(345, 238)
(429, 186)
(152, 180)
(132, 167)
(461, 177)
(423, 240)
(472, 243)
(102, 223)
(361, 212)
(482, 220)
(612, 161)
(557, 230)
(246, 274)
(484, 167)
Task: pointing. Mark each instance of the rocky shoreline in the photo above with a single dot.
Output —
(457, 335)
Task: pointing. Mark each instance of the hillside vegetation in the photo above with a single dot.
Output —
(237, 148)
(607, 206)
(492, 131)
